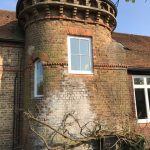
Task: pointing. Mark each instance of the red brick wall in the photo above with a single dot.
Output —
(102, 96)
(140, 128)
(9, 64)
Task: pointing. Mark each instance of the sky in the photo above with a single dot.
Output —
(133, 18)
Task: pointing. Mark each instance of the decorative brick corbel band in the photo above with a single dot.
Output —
(106, 66)
(101, 12)
(111, 66)
(96, 66)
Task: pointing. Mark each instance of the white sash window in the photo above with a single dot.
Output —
(79, 55)
(141, 86)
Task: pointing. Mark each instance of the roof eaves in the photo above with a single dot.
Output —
(12, 41)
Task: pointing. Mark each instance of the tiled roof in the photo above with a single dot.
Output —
(133, 42)
(9, 28)
(7, 17)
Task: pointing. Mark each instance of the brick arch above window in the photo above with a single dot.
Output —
(79, 32)
(39, 55)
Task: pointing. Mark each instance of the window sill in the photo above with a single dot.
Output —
(79, 72)
(38, 97)
(143, 121)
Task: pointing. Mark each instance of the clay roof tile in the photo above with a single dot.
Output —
(9, 28)
(133, 42)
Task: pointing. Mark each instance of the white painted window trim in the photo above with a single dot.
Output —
(145, 87)
(35, 79)
(69, 56)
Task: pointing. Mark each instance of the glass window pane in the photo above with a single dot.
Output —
(139, 81)
(40, 88)
(85, 63)
(84, 47)
(39, 78)
(148, 81)
(75, 62)
(74, 43)
(149, 97)
(140, 104)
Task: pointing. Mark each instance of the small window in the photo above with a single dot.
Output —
(142, 98)
(79, 55)
(38, 79)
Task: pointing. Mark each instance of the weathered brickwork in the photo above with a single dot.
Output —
(9, 65)
(105, 97)
(135, 60)
(137, 56)
(88, 97)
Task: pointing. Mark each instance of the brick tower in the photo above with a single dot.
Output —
(75, 74)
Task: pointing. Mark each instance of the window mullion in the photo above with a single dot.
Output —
(80, 54)
(135, 102)
(147, 102)
(147, 98)
(35, 79)
(90, 54)
(80, 63)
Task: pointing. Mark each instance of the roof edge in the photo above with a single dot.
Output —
(11, 40)
(131, 34)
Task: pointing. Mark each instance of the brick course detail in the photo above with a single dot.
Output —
(105, 96)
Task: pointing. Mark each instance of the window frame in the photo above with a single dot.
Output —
(90, 56)
(145, 86)
(36, 95)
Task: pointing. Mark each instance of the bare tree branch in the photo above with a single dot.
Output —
(123, 136)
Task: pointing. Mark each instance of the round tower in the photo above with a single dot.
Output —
(72, 71)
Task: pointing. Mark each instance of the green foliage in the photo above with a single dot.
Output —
(133, 1)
